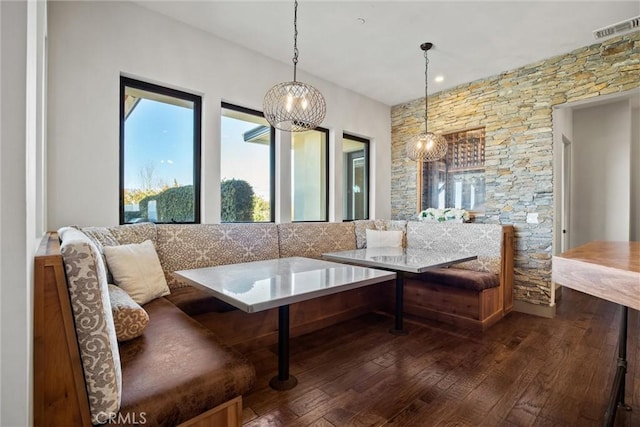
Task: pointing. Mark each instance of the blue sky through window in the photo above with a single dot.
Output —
(243, 160)
(160, 136)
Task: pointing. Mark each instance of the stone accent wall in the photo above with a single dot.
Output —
(515, 109)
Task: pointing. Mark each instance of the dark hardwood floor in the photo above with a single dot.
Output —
(524, 371)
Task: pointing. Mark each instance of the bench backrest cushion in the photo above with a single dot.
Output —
(182, 247)
(101, 237)
(135, 233)
(484, 240)
(119, 235)
(97, 341)
(362, 225)
(311, 240)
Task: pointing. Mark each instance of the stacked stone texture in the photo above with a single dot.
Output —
(515, 108)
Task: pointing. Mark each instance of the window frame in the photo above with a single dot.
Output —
(197, 141)
(445, 161)
(326, 174)
(272, 160)
(367, 177)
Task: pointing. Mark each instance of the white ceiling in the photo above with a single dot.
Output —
(382, 58)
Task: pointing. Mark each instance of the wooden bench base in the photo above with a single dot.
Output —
(227, 414)
(459, 307)
(463, 308)
(59, 394)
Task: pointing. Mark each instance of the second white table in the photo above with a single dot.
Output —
(399, 260)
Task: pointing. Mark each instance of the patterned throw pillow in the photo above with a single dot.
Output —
(128, 317)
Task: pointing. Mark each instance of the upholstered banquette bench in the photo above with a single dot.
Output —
(157, 367)
(182, 369)
(474, 294)
(186, 366)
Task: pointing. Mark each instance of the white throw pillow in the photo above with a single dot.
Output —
(136, 269)
(384, 238)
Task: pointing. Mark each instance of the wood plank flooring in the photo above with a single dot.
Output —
(524, 371)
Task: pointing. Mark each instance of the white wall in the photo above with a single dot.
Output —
(601, 183)
(92, 43)
(22, 47)
(309, 176)
(562, 127)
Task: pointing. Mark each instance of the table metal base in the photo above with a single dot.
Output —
(283, 381)
(616, 399)
(277, 384)
(398, 328)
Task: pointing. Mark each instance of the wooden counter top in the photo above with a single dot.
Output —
(607, 270)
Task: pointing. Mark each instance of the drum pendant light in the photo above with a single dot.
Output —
(426, 147)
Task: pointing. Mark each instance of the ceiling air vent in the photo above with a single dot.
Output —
(621, 27)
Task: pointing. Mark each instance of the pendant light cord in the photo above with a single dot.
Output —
(426, 84)
(295, 38)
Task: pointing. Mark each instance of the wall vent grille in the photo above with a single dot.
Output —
(615, 29)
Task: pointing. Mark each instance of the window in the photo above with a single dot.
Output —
(159, 154)
(309, 175)
(458, 181)
(246, 166)
(355, 160)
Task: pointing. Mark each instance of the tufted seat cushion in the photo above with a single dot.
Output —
(178, 369)
(459, 278)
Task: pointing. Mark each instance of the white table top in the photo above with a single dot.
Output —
(411, 260)
(261, 285)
